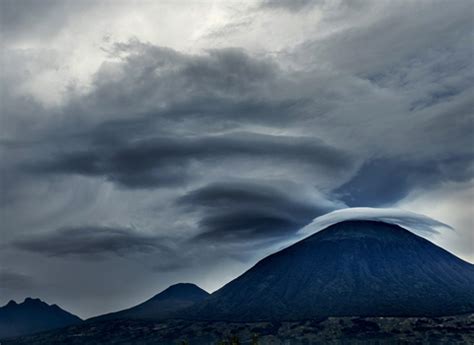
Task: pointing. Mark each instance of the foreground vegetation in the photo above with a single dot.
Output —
(345, 330)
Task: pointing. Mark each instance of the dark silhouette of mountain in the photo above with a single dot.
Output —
(33, 315)
(353, 268)
(162, 305)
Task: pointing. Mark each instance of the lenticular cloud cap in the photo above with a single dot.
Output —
(414, 222)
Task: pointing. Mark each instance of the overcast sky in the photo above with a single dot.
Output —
(145, 143)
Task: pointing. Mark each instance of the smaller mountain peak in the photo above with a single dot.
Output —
(182, 291)
(33, 301)
(31, 316)
(11, 303)
(163, 304)
(183, 286)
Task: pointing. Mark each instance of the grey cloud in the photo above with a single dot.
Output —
(433, 32)
(16, 13)
(332, 10)
(245, 210)
(92, 242)
(431, 69)
(156, 78)
(21, 19)
(385, 181)
(167, 160)
(154, 89)
(14, 281)
(289, 5)
(150, 88)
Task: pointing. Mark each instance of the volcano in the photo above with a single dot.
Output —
(352, 268)
(162, 305)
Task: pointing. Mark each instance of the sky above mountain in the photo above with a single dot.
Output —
(147, 143)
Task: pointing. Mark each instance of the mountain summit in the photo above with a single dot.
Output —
(32, 315)
(352, 268)
(160, 306)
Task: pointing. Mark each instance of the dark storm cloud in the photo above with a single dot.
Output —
(144, 119)
(150, 89)
(92, 242)
(165, 161)
(156, 79)
(154, 89)
(384, 181)
(245, 210)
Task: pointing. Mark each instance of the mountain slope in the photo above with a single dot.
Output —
(353, 268)
(160, 306)
(33, 315)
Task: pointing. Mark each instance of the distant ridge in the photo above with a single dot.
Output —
(31, 316)
(352, 268)
(162, 305)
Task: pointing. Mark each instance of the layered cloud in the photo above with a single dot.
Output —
(246, 210)
(166, 161)
(369, 185)
(92, 242)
